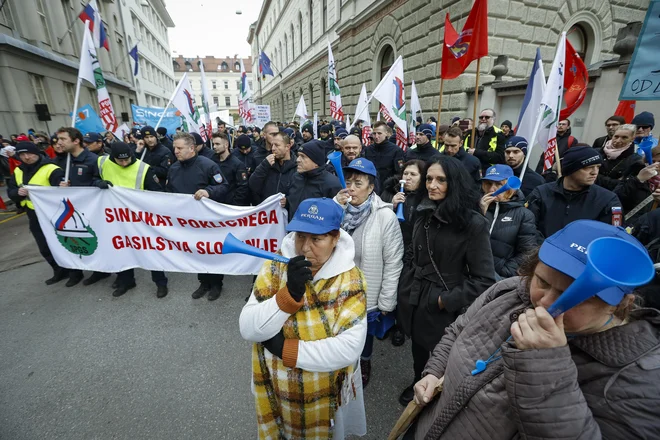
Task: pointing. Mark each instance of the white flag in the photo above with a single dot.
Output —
(122, 131)
(551, 105)
(348, 121)
(301, 109)
(206, 103)
(245, 109)
(336, 109)
(362, 109)
(90, 71)
(391, 94)
(529, 112)
(415, 106)
(184, 101)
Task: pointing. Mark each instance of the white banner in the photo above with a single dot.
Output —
(262, 115)
(119, 228)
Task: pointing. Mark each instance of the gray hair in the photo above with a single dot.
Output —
(632, 128)
(490, 110)
(186, 137)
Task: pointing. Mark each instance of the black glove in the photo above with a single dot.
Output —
(298, 273)
(275, 344)
(104, 184)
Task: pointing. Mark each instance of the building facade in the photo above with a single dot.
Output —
(368, 35)
(40, 43)
(223, 79)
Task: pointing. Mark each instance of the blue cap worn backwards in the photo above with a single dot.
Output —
(362, 165)
(317, 216)
(566, 251)
(498, 173)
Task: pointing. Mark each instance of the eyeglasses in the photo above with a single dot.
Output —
(485, 117)
(643, 127)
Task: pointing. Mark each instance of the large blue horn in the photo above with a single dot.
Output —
(512, 183)
(233, 245)
(611, 262)
(399, 209)
(335, 160)
(646, 146)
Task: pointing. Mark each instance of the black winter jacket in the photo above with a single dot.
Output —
(237, 178)
(482, 147)
(531, 180)
(267, 180)
(512, 234)
(84, 169)
(647, 231)
(246, 159)
(261, 152)
(554, 207)
(471, 164)
(388, 160)
(465, 260)
(612, 171)
(422, 152)
(159, 158)
(413, 198)
(198, 172)
(311, 184)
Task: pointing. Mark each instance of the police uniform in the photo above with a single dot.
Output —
(242, 144)
(137, 175)
(237, 179)
(188, 177)
(159, 157)
(42, 173)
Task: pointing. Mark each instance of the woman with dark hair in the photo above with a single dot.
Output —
(450, 262)
(592, 372)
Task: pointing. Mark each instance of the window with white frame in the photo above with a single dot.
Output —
(38, 89)
(41, 12)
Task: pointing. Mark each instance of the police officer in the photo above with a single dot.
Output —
(94, 143)
(201, 148)
(232, 169)
(35, 170)
(387, 157)
(163, 139)
(157, 156)
(423, 149)
(244, 152)
(83, 171)
(122, 169)
(201, 177)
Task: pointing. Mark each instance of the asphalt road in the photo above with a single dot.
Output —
(76, 363)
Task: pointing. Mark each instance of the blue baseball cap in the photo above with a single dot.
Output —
(289, 132)
(341, 133)
(498, 173)
(363, 166)
(566, 251)
(92, 137)
(317, 216)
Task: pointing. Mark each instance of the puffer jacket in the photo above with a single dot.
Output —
(462, 255)
(382, 256)
(512, 234)
(603, 385)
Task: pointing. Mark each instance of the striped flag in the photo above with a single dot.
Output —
(336, 109)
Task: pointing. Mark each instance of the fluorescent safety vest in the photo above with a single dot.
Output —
(131, 176)
(40, 178)
(492, 144)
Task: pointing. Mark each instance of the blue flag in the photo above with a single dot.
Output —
(264, 65)
(134, 54)
(88, 121)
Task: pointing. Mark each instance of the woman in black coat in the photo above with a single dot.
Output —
(512, 226)
(450, 260)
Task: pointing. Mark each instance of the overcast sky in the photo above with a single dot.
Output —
(211, 27)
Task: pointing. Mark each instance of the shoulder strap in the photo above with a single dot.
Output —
(140, 174)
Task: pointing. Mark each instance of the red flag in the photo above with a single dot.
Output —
(576, 79)
(458, 51)
(626, 109)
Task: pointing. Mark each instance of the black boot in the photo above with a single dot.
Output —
(74, 279)
(407, 395)
(95, 278)
(115, 283)
(214, 293)
(398, 337)
(58, 275)
(162, 292)
(201, 291)
(122, 289)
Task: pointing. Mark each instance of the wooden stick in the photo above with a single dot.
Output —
(558, 160)
(437, 132)
(411, 412)
(476, 101)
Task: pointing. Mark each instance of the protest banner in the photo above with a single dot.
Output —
(642, 81)
(150, 116)
(88, 121)
(262, 115)
(119, 228)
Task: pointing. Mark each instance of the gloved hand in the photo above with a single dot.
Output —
(275, 344)
(104, 184)
(298, 273)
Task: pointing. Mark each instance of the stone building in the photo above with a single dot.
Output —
(223, 79)
(40, 42)
(367, 36)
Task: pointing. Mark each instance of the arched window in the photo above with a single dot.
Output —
(286, 50)
(386, 60)
(293, 44)
(300, 31)
(311, 21)
(224, 66)
(578, 38)
(237, 67)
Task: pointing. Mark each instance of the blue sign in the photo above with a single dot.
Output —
(642, 81)
(151, 115)
(87, 121)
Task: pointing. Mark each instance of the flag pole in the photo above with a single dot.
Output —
(68, 29)
(476, 101)
(127, 55)
(74, 114)
(437, 132)
(161, 119)
(558, 161)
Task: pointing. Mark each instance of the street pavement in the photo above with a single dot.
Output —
(76, 363)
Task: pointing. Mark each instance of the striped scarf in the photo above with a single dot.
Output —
(293, 403)
(356, 215)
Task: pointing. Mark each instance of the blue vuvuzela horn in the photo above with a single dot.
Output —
(512, 183)
(233, 245)
(335, 160)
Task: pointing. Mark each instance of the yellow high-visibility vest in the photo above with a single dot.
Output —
(40, 178)
(131, 176)
(492, 145)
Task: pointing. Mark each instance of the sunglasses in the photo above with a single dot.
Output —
(643, 127)
(485, 117)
